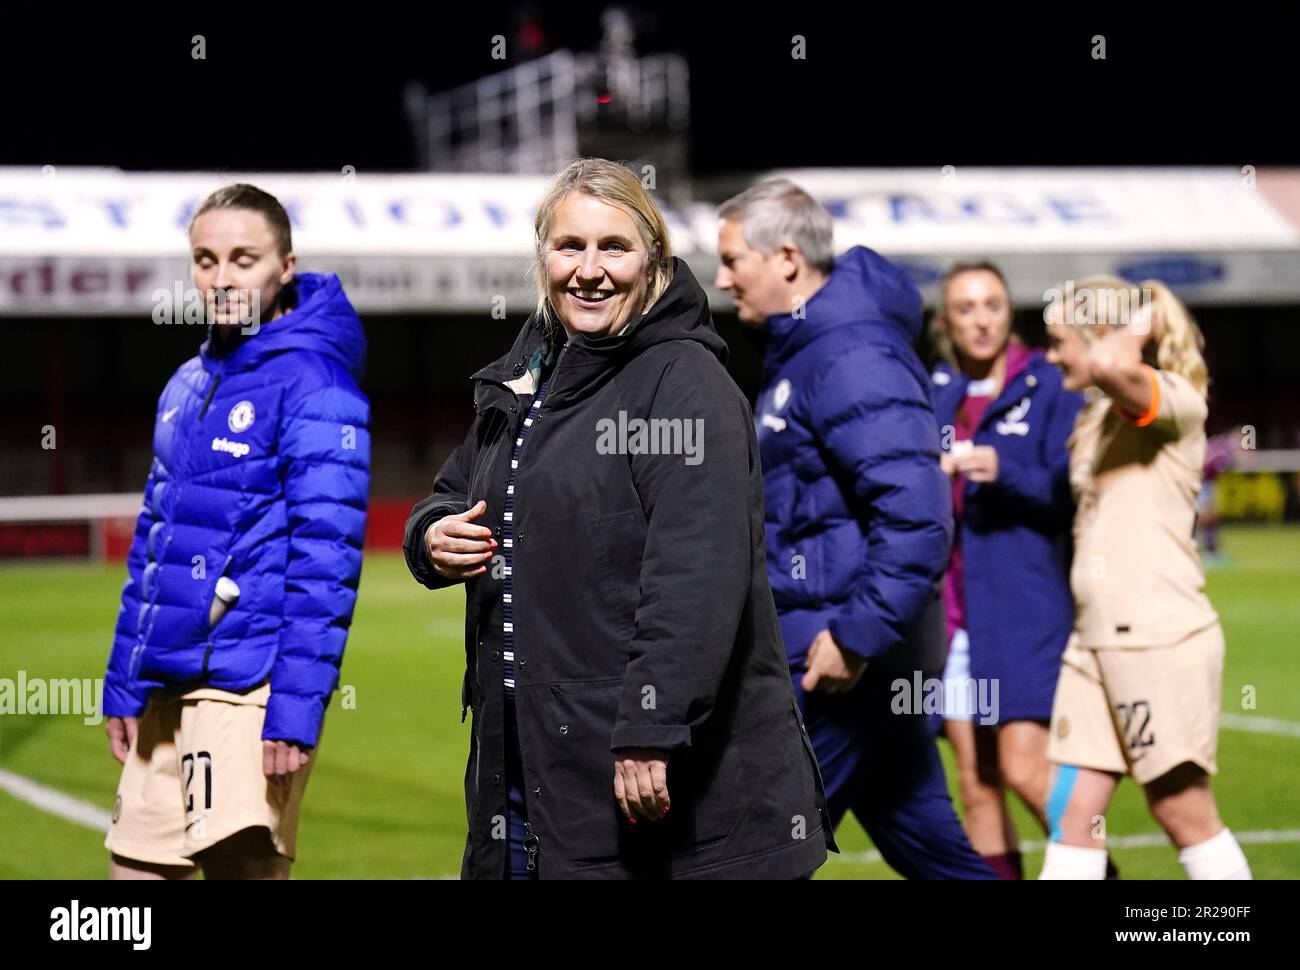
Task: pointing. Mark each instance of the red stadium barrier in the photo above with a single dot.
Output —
(386, 523)
(101, 527)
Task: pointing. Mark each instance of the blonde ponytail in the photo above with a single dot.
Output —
(1178, 340)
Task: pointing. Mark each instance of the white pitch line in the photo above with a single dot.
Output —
(90, 816)
(1259, 725)
(55, 802)
(83, 813)
(1153, 840)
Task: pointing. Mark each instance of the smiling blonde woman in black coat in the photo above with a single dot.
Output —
(633, 715)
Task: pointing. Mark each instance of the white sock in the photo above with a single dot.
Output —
(1073, 862)
(1217, 858)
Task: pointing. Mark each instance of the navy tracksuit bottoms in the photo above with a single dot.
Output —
(885, 768)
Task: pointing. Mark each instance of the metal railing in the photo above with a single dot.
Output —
(534, 117)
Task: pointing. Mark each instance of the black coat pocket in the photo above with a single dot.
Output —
(707, 789)
(705, 784)
(580, 722)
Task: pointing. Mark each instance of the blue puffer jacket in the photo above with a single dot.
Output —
(261, 473)
(859, 514)
(1015, 534)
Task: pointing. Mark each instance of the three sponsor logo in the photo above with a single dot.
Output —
(237, 448)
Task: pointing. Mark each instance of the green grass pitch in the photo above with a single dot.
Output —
(386, 800)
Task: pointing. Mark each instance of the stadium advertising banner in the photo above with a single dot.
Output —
(102, 241)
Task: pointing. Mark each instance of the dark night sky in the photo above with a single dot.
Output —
(877, 88)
